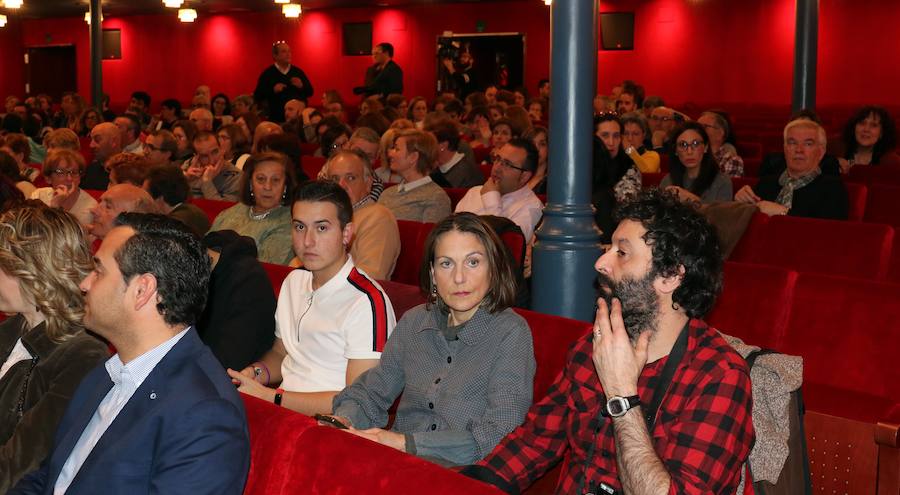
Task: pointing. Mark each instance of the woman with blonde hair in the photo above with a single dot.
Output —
(44, 349)
(417, 198)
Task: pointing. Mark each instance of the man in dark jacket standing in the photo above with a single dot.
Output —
(384, 77)
(281, 82)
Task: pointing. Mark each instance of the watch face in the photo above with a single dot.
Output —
(617, 406)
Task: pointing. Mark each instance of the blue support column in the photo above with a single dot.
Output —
(96, 53)
(805, 55)
(568, 242)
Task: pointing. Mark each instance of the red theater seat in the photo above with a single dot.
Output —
(311, 165)
(212, 207)
(749, 150)
(832, 247)
(752, 166)
(403, 296)
(552, 336)
(856, 195)
(277, 274)
(738, 182)
(456, 195)
(651, 180)
(883, 204)
(412, 244)
(877, 174)
(754, 303)
(95, 193)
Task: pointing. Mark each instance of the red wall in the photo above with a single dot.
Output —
(685, 50)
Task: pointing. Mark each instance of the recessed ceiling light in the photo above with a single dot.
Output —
(291, 10)
(187, 15)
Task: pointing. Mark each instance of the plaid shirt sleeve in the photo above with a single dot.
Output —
(535, 447)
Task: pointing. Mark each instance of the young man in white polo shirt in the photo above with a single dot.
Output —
(332, 320)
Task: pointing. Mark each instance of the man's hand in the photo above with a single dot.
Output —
(61, 194)
(279, 87)
(249, 385)
(746, 195)
(296, 81)
(845, 165)
(490, 185)
(771, 208)
(448, 64)
(617, 361)
(384, 437)
(213, 170)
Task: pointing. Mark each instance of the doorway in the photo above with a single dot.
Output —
(499, 58)
(50, 70)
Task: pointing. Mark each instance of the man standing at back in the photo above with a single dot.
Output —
(159, 417)
(280, 83)
(384, 77)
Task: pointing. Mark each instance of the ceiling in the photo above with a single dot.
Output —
(35, 9)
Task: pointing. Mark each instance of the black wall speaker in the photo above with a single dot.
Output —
(112, 44)
(617, 31)
(357, 38)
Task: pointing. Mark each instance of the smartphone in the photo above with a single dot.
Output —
(330, 420)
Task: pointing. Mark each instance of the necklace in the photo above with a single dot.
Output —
(257, 216)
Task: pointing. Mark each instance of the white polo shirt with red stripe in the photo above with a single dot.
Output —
(349, 317)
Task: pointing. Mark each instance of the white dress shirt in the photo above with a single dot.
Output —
(521, 206)
(126, 378)
(18, 353)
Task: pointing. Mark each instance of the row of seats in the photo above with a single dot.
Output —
(847, 330)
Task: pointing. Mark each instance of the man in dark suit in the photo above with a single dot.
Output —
(160, 416)
(384, 77)
(280, 83)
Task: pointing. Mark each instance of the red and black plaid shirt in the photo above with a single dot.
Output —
(703, 432)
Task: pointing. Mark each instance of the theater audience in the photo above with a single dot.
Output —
(117, 199)
(89, 118)
(130, 128)
(417, 198)
(776, 163)
(169, 114)
(16, 144)
(802, 190)
(202, 118)
(106, 141)
(160, 149)
(169, 189)
(384, 77)
(9, 169)
(538, 136)
(262, 214)
(418, 109)
(634, 133)
(376, 238)
(464, 361)
(241, 105)
(263, 130)
(61, 139)
(721, 142)
(384, 172)
(332, 321)
(368, 142)
(663, 121)
(506, 192)
(615, 178)
(184, 132)
(127, 168)
(501, 132)
(237, 322)
(166, 418)
(693, 172)
(63, 170)
(454, 169)
(44, 349)
(869, 138)
(210, 175)
(221, 109)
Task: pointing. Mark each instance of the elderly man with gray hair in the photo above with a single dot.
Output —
(376, 238)
(801, 189)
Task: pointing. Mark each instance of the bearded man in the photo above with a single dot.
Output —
(654, 400)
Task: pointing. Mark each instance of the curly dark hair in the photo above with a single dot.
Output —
(888, 132)
(166, 248)
(680, 239)
(709, 169)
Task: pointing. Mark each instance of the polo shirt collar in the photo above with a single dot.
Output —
(336, 281)
(446, 167)
(409, 186)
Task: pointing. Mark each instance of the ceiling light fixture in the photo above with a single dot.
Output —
(282, 1)
(2, 20)
(12, 4)
(87, 17)
(187, 15)
(291, 10)
(548, 2)
(173, 4)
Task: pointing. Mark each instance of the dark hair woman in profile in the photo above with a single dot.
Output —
(44, 349)
(615, 177)
(869, 138)
(693, 172)
(464, 361)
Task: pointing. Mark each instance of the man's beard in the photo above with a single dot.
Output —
(640, 303)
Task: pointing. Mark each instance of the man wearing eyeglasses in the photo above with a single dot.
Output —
(662, 121)
(210, 175)
(160, 148)
(280, 83)
(505, 193)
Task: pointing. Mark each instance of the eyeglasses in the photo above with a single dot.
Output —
(508, 164)
(65, 173)
(685, 145)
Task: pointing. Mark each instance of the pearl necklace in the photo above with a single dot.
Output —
(258, 216)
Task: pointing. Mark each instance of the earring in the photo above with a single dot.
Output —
(434, 294)
(251, 194)
(284, 195)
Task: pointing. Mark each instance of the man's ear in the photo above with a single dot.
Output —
(143, 290)
(347, 235)
(667, 285)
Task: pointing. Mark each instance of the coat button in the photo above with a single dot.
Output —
(433, 427)
(437, 381)
(431, 405)
(449, 359)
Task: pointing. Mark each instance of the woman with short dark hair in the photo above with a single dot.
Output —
(464, 361)
(869, 139)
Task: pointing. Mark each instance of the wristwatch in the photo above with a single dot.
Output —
(616, 407)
